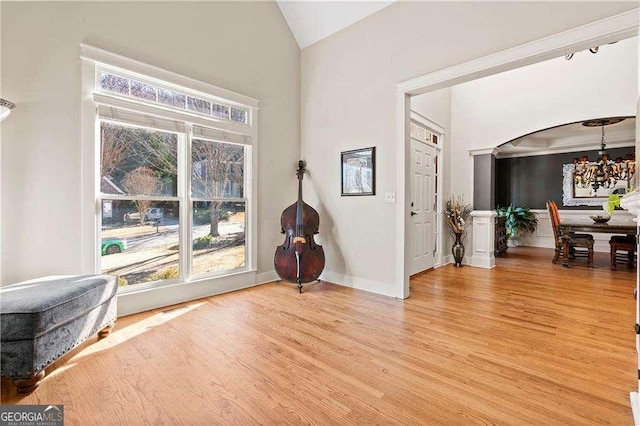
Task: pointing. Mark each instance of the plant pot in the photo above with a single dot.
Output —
(457, 250)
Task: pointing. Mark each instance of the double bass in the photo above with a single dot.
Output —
(299, 259)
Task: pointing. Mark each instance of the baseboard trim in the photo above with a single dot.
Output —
(601, 242)
(371, 286)
(447, 260)
(635, 407)
(483, 262)
(267, 277)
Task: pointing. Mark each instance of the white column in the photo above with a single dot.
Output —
(484, 234)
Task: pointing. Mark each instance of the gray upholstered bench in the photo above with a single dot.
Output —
(43, 319)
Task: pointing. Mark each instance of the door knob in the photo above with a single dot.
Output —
(413, 213)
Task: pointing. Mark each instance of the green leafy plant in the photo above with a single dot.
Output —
(519, 219)
(613, 202)
(203, 216)
(203, 242)
(165, 274)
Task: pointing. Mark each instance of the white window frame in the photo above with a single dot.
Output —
(94, 61)
(182, 90)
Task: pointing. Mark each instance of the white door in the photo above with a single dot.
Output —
(421, 206)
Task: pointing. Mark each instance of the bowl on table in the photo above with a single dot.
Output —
(600, 219)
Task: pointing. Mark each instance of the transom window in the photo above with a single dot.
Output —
(175, 191)
(117, 84)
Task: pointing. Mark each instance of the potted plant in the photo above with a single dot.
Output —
(457, 212)
(519, 220)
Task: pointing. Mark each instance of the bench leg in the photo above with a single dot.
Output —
(28, 385)
(105, 331)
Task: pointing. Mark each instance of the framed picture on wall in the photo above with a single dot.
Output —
(358, 171)
(578, 187)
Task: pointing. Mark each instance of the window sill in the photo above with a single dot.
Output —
(171, 293)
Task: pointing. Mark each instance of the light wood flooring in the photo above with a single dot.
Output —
(527, 342)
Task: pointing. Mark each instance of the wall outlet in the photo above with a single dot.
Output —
(390, 197)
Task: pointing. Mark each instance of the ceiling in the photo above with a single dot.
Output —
(571, 138)
(311, 21)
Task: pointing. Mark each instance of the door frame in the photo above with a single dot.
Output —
(607, 30)
(439, 131)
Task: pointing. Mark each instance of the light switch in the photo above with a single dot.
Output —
(390, 197)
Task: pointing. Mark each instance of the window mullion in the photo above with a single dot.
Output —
(184, 193)
(250, 195)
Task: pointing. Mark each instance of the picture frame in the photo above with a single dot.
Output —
(358, 172)
(576, 191)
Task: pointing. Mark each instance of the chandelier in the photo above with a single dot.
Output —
(604, 172)
(593, 50)
(5, 108)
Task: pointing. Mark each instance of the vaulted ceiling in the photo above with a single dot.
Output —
(311, 21)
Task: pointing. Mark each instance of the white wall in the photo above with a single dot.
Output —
(436, 106)
(349, 101)
(1, 156)
(245, 47)
(496, 109)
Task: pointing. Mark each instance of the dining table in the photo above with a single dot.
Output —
(567, 228)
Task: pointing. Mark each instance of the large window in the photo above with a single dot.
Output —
(217, 188)
(173, 173)
(140, 204)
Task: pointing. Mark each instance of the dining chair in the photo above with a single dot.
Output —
(623, 243)
(579, 244)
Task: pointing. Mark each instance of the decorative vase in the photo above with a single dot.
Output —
(458, 249)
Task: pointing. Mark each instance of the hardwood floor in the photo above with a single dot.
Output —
(527, 342)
